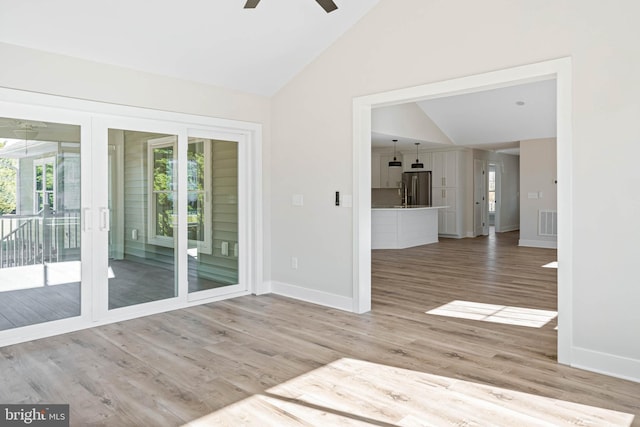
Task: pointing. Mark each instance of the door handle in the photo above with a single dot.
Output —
(105, 219)
(86, 219)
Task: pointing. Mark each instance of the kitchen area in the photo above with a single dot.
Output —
(403, 212)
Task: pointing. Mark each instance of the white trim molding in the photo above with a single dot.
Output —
(507, 228)
(607, 364)
(548, 244)
(312, 296)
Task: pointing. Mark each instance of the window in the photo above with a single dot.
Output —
(198, 194)
(492, 188)
(44, 177)
(162, 192)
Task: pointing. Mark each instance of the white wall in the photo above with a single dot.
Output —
(538, 190)
(38, 71)
(408, 121)
(418, 42)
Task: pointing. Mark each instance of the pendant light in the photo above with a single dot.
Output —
(417, 164)
(395, 163)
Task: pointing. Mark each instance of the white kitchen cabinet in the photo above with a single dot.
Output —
(445, 169)
(447, 217)
(389, 177)
(409, 158)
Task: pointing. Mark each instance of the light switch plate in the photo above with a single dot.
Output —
(297, 200)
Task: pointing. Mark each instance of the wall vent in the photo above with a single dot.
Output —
(547, 223)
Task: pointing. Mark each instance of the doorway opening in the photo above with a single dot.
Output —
(560, 70)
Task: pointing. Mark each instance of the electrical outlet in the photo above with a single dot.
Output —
(294, 263)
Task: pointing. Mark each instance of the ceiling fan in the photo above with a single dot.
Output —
(327, 5)
(24, 129)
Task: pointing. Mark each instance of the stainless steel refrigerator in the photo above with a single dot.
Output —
(416, 188)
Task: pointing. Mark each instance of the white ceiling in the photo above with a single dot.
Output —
(216, 42)
(492, 119)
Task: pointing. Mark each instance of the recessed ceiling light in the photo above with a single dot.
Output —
(520, 103)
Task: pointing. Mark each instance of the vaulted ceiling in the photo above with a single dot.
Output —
(217, 42)
(494, 119)
(221, 43)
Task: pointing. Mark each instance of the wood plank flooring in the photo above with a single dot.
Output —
(271, 360)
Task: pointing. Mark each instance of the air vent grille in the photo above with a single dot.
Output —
(547, 223)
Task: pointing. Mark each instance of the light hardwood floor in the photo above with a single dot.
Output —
(271, 360)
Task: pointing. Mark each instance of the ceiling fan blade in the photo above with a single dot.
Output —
(250, 4)
(327, 5)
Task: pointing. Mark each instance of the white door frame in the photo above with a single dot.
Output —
(558, 69)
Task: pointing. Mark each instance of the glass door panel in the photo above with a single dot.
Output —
(143, 230)
(40, 230)
(212, 224)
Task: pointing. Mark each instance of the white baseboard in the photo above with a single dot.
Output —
(264, 288)
(538, 244)
(312, 296)
(507, 228)
(451, 236)
(607, 364)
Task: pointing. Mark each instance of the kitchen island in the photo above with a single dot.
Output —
(399, 227)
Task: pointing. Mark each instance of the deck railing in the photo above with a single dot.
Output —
(36, 239)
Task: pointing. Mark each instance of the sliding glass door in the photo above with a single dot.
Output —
(106, 217)
(171, 216)
(142, 178)
(212, 214)
(40, 224)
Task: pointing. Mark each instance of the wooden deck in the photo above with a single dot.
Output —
(271, 360)
(131, 283)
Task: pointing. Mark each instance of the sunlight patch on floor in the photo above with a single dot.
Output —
(553, 264)
(33, 276)
(519, 316)
(351, 392)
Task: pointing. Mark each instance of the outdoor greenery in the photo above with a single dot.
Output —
(8, 171)
(163, 190)
(163, 182)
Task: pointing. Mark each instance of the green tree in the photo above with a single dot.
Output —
(8, 175)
